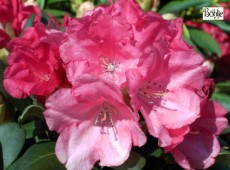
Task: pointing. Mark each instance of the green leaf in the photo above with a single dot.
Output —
(38, 157)
(56, 13)
(12, 139)
(185, 31)
(223, 157)
(157, 153)
(20, 104)
(55, 1)
(189, 42)
(218, 166)
(204, 41)
(103, 2)
(223, 86)
(221, 24)
(35, 128)
(223, 99)
(32, 112)
(41, 3)
(174, 6)
(29, 23)
(226, 131)
(134, 162)
(1, 157)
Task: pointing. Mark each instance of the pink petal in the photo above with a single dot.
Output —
(186, 70)
(212, 118)
(178, 108)
(197, 151)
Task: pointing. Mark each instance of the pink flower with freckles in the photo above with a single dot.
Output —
(94, 124)
(166, 93)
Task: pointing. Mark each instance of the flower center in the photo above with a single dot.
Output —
(109, 65)
(151, 91)
(105, 119)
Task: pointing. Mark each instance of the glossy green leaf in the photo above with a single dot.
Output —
(35, 128)
(32, 112)
(157, 153)
(223, 157)
(218, 166)
(41, 3)
(29, 23)
(223, 86)
(54, 1)
(189, 42)
(38, 157)
(134, 162)
(19, 104)
(56, 13)
(204, 41)
(226, 131)
(223, 99)
(185, 31)
(12, 139)
(221, 24)
(1, 157)
(174, 6)
(103, 2)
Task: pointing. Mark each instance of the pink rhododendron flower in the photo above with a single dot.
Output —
(108, 53)
(111, 52)
(164, 88)
(94, 125)
(200, 147)
(34, 66)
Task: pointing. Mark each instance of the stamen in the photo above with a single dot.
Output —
(151, 91)
(105, 119)
(109, 65)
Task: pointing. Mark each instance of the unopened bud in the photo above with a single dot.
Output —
(85, 6)
(209, 65)
(169, 16)
(30, 3)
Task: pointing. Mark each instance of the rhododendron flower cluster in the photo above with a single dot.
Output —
(108, 69)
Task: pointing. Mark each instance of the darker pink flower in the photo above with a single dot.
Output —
(200, 146)
(4, 38)
(94, 124)
(22, 15)
(6, 11)
(34, 67)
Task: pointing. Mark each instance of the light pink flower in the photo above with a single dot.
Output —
(94, 124)
(34, 66)
(200, 146)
